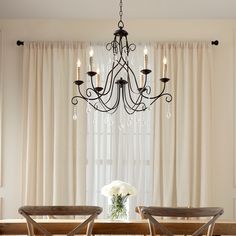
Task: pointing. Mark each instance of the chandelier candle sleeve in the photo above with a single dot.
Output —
(91, 60)
(98, 78)
(164, 67)
(141, 80)
(78, 69)
(145, 58)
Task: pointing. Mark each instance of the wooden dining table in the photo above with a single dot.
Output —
(132, 227)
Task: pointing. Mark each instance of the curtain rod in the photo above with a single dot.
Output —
(21, 43)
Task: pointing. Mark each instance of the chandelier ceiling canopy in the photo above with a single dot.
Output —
(121, 84)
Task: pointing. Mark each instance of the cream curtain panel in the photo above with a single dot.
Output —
(54, 150)
(182, 144)
(67, 162)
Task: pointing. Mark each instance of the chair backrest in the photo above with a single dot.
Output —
(138, 210)
(152, 214)
(91, 212)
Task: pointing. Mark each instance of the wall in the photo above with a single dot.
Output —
(223, 191)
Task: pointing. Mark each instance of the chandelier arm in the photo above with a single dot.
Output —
(122, 66)
(88, 94)
(128, 79)
(112, 46)
(130, 95)
(131, 47)
(136, 104)
(168, 97)
(131, 111)
(74, 100)
(96, 107)
(120, 44)
(135, 79)
(157, 96)
(109, 47)
(126, 46)
(115, 106)
(148, 90)
(104, 104)
(111, 87)
(127, 70)
(92, 82)
(113, 78)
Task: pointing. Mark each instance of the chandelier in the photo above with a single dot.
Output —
(121, 83)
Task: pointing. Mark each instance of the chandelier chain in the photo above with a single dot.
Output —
(121, 11)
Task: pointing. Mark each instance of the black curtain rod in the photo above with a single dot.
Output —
(21, 43)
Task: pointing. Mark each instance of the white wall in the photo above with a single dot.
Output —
(222, 186)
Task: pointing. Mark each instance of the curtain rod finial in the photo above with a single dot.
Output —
(19, 43)
(215, 42)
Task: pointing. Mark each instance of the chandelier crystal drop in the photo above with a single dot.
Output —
(121, 84)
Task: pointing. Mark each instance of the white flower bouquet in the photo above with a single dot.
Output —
(118, 193)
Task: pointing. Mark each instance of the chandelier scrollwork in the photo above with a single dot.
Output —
(121, 82)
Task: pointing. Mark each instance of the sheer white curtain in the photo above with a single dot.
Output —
(119, 146)
(67, 162)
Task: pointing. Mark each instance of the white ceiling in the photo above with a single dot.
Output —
(108, 9)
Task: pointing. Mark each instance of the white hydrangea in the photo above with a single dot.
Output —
(118, 187)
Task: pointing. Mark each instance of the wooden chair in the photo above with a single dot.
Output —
(152, 213)
(91, 212)
(138, 210)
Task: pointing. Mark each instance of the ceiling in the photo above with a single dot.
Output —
(108, 9)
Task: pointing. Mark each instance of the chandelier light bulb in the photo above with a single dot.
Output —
(145, 51)
(91, 52)
(78, 63)
(164, 67)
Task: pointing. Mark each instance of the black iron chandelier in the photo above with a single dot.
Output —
(121, 82)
